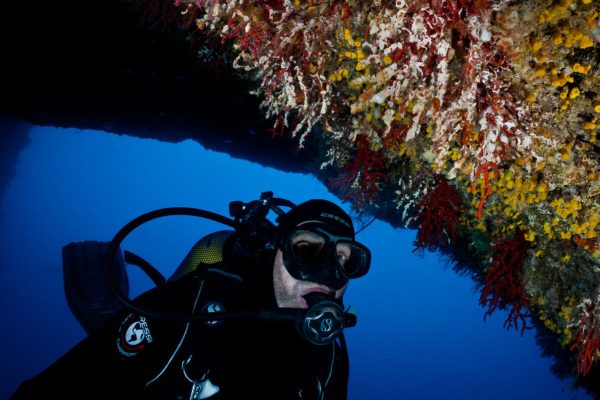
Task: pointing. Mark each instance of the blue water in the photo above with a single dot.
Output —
(420, 334)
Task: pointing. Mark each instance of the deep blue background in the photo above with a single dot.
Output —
(420, 335)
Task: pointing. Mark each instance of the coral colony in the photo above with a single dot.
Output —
(478, 116)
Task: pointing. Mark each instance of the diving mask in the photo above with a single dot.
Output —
(310, 253)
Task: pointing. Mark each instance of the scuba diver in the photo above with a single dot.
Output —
(253, 312)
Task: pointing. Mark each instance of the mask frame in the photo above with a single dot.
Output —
(324, 266)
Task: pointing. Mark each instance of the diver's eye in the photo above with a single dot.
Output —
(342, 259)
(306, 251)
(343, 253)
(306, 245)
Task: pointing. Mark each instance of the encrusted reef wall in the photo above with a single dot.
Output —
(472, 121)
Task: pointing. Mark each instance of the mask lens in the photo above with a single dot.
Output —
(306, 245)
(354, 259)
(321, 257)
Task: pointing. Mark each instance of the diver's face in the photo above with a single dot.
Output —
(290, 292)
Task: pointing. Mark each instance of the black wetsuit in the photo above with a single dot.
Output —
(133, 357)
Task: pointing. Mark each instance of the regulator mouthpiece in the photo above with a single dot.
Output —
(323, 321)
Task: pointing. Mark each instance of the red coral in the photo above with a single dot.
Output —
(503, 285)
(394, 139)
(439, 213)
(359, 182)
(458, 9)
(484, 169)
(247, 37)
(278, 128)
(588, 340)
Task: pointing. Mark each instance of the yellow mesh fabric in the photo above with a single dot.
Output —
(206, 251)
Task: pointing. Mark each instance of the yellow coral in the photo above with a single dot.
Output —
(559, 81)
(575, 92)
(548, 230)
(585, 42)
(581, 69)
(530, 98)
(530, 235)
(590, 125)
(540, 71)
(557, 39)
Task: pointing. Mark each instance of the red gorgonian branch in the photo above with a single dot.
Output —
(359, 182)
(503, 284)
(438, 216)
(484, 169)
(588, 338)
